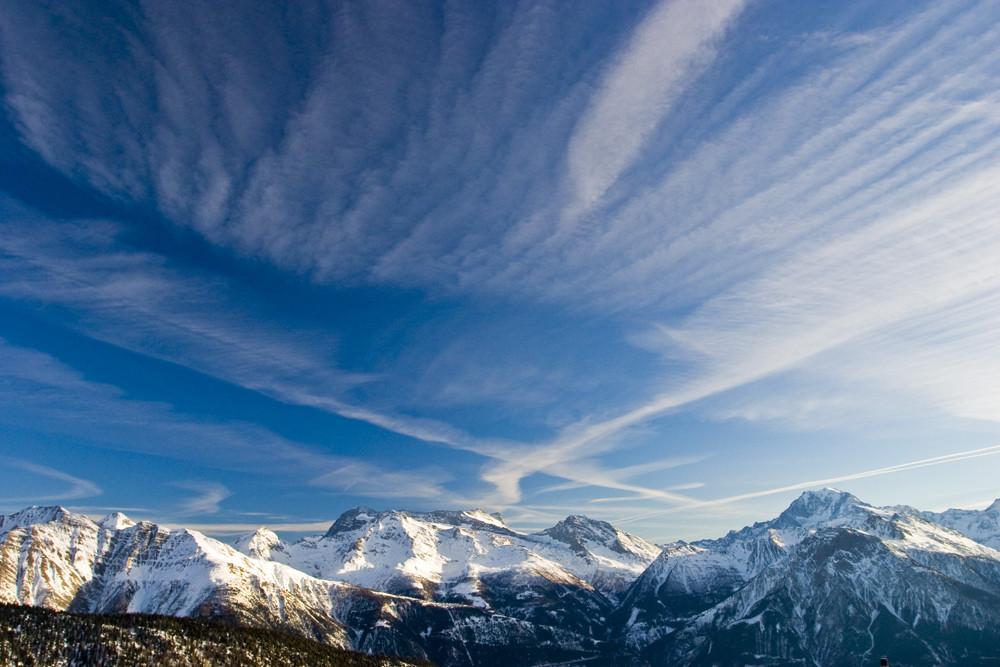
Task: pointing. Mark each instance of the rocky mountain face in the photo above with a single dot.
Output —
(831, 580)
(982, 526)
(569, 576)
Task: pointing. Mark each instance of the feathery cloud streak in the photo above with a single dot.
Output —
(915, 233)
(78, 488)
(670, 46)
(888, 470)
(50, 397)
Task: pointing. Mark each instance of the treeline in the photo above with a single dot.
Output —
(35, 637)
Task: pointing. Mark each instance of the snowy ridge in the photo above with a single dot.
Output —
(262, 544)
(794, 589)
(570, 575)
(50, 557)
(46, 555)
(458, 556)
(831, 580)
(982, 525)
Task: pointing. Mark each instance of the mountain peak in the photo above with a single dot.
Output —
(116, 521)
(814, 507)
(33, 515)
(352, 519)
(43, 514)
(361, 516)
(259, 544)
(582, 526)
(578, 531)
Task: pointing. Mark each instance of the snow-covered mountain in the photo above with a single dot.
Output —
(831, 580)
(981, 525)
(52, 558)
(569, 575)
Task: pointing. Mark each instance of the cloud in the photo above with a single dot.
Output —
(845, 289)
(353, 153)
(210, 494)
(872, 126)
(888, 470)
(78, 488)
(875, 218)
(138, 302)
(620, 474)
(826, 220)
(443, 166)
(938, 364)
(674, 43)
(49, 397)
(373, 481)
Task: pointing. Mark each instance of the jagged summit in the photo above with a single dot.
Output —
(116, 521)
(980, 525)
(262, 543)
(33, 515)
(475, 516)
(827, 582)
(352, 519)
(816, 507)
(362, 516)
(577, 530)
(585, 523)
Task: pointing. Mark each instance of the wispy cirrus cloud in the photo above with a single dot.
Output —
(864, 216)
(888, 470)
(137, 301)
(856, 286)
(354, 154)
(210, 494)
(878, 126)
(78, 488)
(50, 397)
(372, 481)
(875, 124)
(833, 216)
(670, 47)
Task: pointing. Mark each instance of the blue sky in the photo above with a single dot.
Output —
(664, 264)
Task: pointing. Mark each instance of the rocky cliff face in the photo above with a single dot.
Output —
(830, 581)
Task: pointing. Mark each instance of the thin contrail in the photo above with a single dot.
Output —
(937, 460)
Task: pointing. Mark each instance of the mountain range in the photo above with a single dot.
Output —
(832, 580)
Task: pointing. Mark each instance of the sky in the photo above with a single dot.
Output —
(665, 264)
